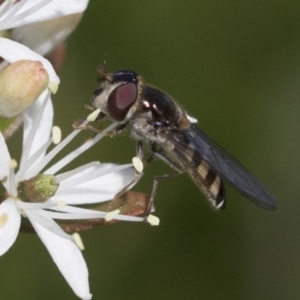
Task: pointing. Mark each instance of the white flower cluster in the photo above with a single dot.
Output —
(90, 183)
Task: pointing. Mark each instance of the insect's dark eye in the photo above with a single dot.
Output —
(121, 100)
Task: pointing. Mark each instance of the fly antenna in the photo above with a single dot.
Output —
(101, 69)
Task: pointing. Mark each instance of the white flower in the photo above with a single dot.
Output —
(41, 25)
(90, 183)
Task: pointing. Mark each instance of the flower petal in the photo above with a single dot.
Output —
(43, 37)
(10, 220)
(4, 163)
(43, 128)
(36, 135)
(98, 189)
(12, 51)
(68, 259)
(54, 9)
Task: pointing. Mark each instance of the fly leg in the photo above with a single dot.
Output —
(139, 155)
(156, 180)
(97, 130)
(158, 152)
(137, 176)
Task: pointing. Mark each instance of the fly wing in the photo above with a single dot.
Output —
(197, 152)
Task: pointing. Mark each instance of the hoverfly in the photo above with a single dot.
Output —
(155, 118)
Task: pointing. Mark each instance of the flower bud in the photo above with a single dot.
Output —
(39, 188)
(21, 83)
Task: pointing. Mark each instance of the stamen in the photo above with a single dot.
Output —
(48, 157)
(4, 7)
(53, 87)
(60, 204)
(69, 216)
(12, 17)
(138, 164)
(33, 206)
(74, 154)
(153, 220)
(129, 218)
(13, 164)
(32, 160)
(78, 241)
(67, 175)
(56, 135)
(47, 223)
(11, 180)
(111, 215)
(93, 116)
(28, 143)
(33, 9)
(72, 212)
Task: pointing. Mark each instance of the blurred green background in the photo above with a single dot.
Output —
(235, 65)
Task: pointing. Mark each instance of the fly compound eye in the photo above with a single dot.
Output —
(121, 100)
